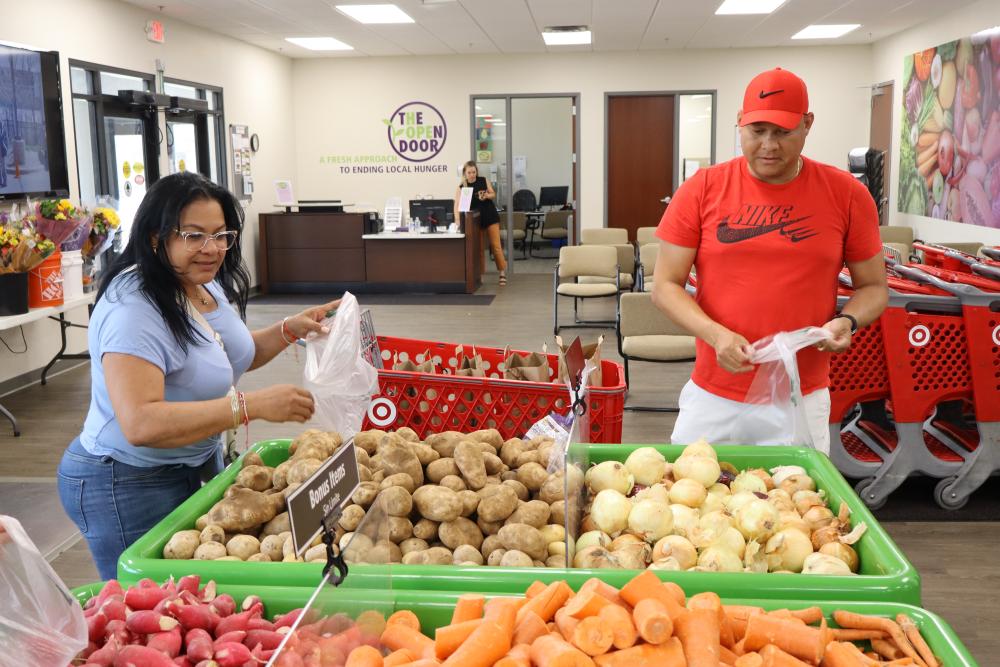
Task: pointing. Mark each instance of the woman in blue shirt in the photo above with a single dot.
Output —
(167, 342)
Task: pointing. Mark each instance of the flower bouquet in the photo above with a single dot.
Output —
(58, 219)
(104, 223)
(22, 248)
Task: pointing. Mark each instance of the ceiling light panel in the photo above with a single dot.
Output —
(320, 43)
(567, 38)
(375, 14)
(826, 30)
(749, 6)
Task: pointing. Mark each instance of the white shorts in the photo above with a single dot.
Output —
(721, 421)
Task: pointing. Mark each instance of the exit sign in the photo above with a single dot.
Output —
(154, 31)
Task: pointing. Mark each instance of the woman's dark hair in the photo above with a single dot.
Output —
(158, 217)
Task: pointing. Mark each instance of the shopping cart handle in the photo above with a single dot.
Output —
(919, 276)
(986, 271)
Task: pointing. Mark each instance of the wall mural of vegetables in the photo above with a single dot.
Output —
(949, 161)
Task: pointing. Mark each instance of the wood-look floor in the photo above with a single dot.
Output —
(958, 561)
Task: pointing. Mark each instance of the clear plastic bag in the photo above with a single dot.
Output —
(777, 385)
(41, 622)
(340, 379)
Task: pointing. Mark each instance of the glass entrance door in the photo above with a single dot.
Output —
(128, 166)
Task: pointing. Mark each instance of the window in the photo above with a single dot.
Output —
(196, 139)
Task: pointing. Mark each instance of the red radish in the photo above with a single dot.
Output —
(96, 626)
(199, 645)
(267, 638)
(114, 609)
(169, 586)
(225, 605)
(287, 620)
(231, 654)
(116, 628)
(237, 621)
(207, 663)
(191, 616)
(236, 636)
(167, 642)
(187, 597)
(260, 624)
(208, 593)
(289, 659)
(91, 647)
(261, 654)
(149, 622)
(105, 656)
(110, 589)
(250, 601)
(189, 583)
(183, 661)
(142, 656)
(142, 598)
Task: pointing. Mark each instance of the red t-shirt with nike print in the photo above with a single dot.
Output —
(768, 256)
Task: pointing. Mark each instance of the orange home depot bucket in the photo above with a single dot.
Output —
(45, 283)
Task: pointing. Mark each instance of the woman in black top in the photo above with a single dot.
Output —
(483, 197)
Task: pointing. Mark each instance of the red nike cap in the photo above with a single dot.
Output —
(775, 96)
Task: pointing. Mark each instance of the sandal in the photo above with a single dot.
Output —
(503, 279)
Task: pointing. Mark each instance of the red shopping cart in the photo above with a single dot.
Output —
(980, 298)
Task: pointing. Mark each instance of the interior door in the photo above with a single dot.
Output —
(131, 164)
(880, 135)
(640, 159)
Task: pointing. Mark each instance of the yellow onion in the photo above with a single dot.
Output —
(703, 469)
(818, 563)
(677, 548)
(587, 524)
(650, 520)
(805, 499)
(719, 559)
(787, 550)
(688, 492)
(794, 483)
(780, 473)
(610, 511)
(818, 517)
(668, 563)
(757, 520)
(738, 500)
(657, 492)
(764, 477)
(748, 481)
(719, 489)
(793, 521)
(646, 465)
(781, 500)
(710, 528)
(609, 475)
(623, 540)
(843, 552)
(593, 538)
(713, 503)
(700, 448)
(732, 540)
(633, 555)
(685, 519)
(595, 557)
(825, 535)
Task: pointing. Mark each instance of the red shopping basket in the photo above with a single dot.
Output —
(434, 402)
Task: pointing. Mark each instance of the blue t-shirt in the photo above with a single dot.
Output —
(125, 322)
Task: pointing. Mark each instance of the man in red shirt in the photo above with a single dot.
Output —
(768, 234)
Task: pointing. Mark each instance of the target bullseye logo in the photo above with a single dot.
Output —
(996, 335)
(920, 335)
(382, 412)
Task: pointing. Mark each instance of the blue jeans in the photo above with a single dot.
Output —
(114, 504)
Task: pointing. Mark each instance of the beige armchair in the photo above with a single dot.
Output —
(647, 264)
(646, 334)
(644, 235)
(898, 235)
(576, 262)
(519, 231)
(603, 236)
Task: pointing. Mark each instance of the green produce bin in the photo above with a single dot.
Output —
(434, 609)
(886, 574)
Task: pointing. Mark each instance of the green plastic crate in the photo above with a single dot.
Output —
(434, 609)
(886, 574)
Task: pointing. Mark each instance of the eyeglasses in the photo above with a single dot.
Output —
(197, 241)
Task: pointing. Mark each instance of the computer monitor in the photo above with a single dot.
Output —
(419, 209)
(435, 217)
(553, 195)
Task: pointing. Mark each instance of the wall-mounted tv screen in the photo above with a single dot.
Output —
(32, 142)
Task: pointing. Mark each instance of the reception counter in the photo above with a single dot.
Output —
(329, 253)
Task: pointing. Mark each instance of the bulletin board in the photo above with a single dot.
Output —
(239, 138)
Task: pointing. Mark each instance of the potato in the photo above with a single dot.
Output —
(498, 502)
(351, 517)
(362, 457)
(494, 466)
(494, 558)
(454, 483)
(378, 476)
(210, 551)
(201, 522)
(444, 443)
(557, 549)
(558, 512)
(469, 459)
(441, 468)
(412, 544)
(230, 558)
(490, 544)
(553, 489)
(257, 478)
(556, 561)
(315, 443)
(365, 494)
(437, 503)
(276, 526)
(490, 436)
(396, 501)
(368, 440)
(397, 457)
(407, 433)
(245, 509)
(458, 532)
(470, 501)
(520, 489)
(400, 479)
(279, 478)
(383, 552)
(423, 453)
(426, 529)
(553, 533)
(511, 450)
(522, 537)
(355, 543)
(364, 474)
(508, 475)
(243, 546)
(544, 453)
(302, 469)
(532, 475)
(467, 553)
(515, 558)
(534, 513)
(212, 533)
(400, 529)
(182, 545)
(431, 556)
(258, 558)
(489, 527)
(530, 456)
(289, 490)
(251, 459)
(270, 547)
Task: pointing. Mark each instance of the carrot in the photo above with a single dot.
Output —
(648, 585)
(397, 636)
(749, 660)
(534, 589)
(739, 627)
(652, 621)
(468, 607)
(810, 614)
(843, 635)
(592, 636)
(566, 624)
(727, 657)
(902, 662)
(406, 617)
(698, 630)
(845, 654)
(364, 656)
(620, 622)
(742, 611)
(529, 629)
(852, 621)
(787, 615)
(602, 588)
(804, 642)
(447, 639)
(586, 604)
(396, 658)
(912, 633)
(423, 662)
(547, 602)
(504, 611)
(727, 630)
(775, 657)
(489, 642)
(668, 654)
(886, 649)
(551, 651)
(519, 656)
(676, 591)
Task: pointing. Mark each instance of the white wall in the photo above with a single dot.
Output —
(542, 131)
(695, 131)
(257, 92)
(348, 98)
(887, 64)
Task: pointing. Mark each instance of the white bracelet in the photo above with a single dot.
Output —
(283, 337)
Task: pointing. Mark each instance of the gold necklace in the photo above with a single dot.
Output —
(203, 300)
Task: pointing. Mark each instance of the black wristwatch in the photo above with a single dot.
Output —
(853, 321)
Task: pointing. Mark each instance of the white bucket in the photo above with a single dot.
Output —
(72, 270)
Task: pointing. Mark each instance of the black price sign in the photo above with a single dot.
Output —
(325, 492)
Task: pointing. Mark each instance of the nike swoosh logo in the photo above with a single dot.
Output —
(768, 94)
(726, 234)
